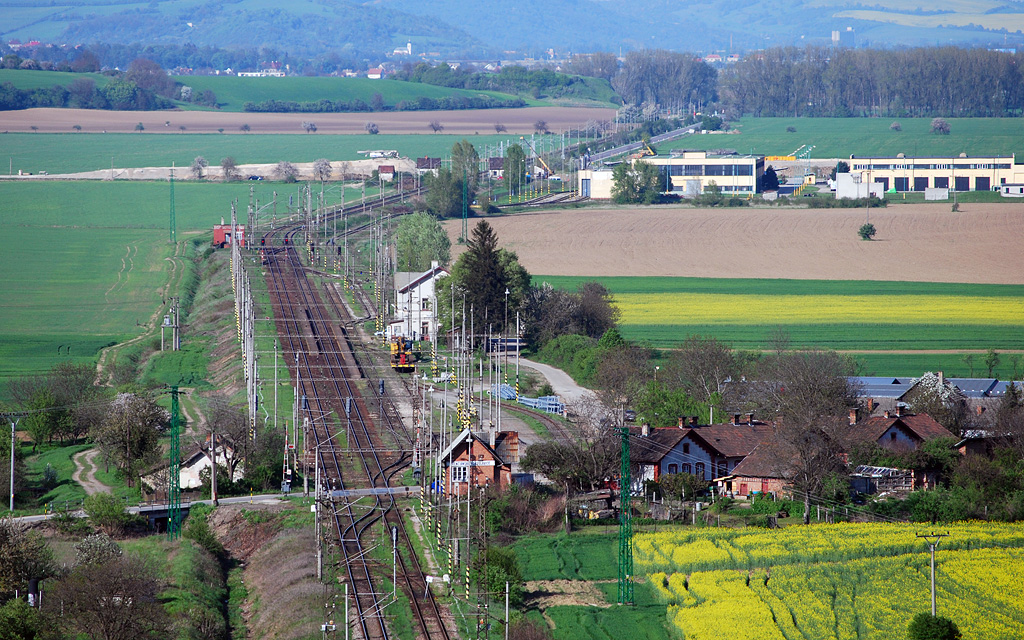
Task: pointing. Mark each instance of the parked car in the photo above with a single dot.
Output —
(255, 177)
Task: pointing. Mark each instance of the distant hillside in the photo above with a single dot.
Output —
(301, 27)
(489, 28)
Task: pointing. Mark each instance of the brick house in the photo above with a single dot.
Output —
(479, 460)
(707, 451)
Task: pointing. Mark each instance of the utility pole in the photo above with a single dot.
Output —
(174, 226)
(14, 424)
(174, 472)
(932, 544)
(625, 524)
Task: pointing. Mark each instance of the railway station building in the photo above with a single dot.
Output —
(414, 316)
(479, 460)
(901, 173)
(687, 174)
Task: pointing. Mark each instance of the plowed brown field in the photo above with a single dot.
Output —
(983, 243)
(393, 122)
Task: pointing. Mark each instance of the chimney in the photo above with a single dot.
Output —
(854, 417)
(750, 418)
(680, 424)
(899, 409)
(693, 420)
(645, 430)
(492, 432)
(980, 410)
(871, 405)
(886, 413)
(735, 418)
(942, 379)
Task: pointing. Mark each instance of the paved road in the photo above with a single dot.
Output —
(635, 146)
(565, 387)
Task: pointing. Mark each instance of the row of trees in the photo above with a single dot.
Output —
(143, 86)
(511, 79)
(356, 105)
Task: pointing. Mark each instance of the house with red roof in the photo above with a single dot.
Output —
(707, 451)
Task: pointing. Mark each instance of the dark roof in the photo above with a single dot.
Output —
(732, 440)
(495, 164)
(428, 163)
(760, 464)
(652, 448)
(921, 425)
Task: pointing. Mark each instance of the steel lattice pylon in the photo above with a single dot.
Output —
(625, 525)
(174, 223)
(174, 473)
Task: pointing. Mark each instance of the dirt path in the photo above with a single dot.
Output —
(85, 472)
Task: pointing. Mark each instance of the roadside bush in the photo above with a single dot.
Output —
(69, 524)
(107, 513)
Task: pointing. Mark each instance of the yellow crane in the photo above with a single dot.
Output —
(532, 148)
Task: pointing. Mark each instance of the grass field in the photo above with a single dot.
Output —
(76, 152)
(87, 262)
(233, 92)
(840, 137)
(834, 581)
(25, 79)
(842, 315)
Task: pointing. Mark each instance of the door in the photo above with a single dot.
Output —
(585, 187)
(743, 488)
(982, 184)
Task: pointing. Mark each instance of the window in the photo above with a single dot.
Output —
(673, 468)
(460, 474)
(425, 304)
(686, 468)
(700, 470)
(686, 447)
(892, 436)
(941, 183)
(693, 169)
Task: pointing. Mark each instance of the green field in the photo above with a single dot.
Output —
(916, 323)
(85, 262)
(841, 137)
(232, 92)
(74, 152)
(25, 79)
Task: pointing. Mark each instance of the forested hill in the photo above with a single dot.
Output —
(490, 28)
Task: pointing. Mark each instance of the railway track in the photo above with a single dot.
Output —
(324, 362)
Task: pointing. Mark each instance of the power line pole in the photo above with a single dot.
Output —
(625, 524)
(14, 424)
(174, 472)
(928, 538)
(174, 225)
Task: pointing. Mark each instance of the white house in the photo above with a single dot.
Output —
(414, 299)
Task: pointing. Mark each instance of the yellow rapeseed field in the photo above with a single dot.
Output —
(835, 581)
(707, 308)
